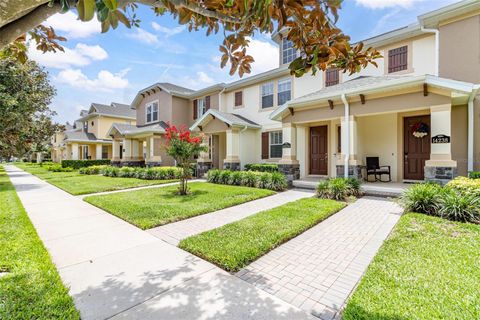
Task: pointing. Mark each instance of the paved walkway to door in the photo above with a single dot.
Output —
(318, 270)
(174, 232)
(115, 270)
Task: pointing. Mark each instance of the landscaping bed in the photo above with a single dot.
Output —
(150, 208)
(237, 244)
(78, 184)
(429, 268)
(30, 287)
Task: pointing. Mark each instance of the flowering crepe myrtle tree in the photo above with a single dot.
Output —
(183, 146)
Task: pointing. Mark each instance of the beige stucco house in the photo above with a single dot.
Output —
(88, 138)
(417, 112)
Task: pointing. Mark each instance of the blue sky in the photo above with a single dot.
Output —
(114, 66)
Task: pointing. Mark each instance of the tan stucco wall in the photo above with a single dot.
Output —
(477, 134)
(460, 50)
(182, 112)
(250, 147)
(164, 105)
(459, 138)
(214, 126)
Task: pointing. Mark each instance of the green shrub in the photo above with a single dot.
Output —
(262, 167)
(265, 180)
(77, 164)
(465, 186)
(110, 171)
(57, 168)
(155, 173)
(92, 170)
(338, 188)
(46, 163)
(422, 198)
(474, 174)
(454, 205)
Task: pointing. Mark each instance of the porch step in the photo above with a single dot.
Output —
(378, 189)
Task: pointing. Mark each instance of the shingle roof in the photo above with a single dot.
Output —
(231, 119)
(80, 136)
(116, 109)
(129, 129)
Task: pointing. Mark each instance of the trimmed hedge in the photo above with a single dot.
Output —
(262, 167)
(92, 170)
(263, 180)
(57, 168)
(77, 164)
(458, 200)
(474, 174)
(155, 173)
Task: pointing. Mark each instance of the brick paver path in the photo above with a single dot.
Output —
(318, 270)
(174, 232)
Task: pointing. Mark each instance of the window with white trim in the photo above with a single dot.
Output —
(267, 95)
(201, 107)
(289, 53)
(276, 141)
(152, 112)
(284, 91)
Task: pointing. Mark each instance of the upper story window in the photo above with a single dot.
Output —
(238, 98)
(152, 112)
(267, 95)
(398, 59)
(284, 91)
(288, 51)
(276, 140)
(201, 107)
(332, 77)
(85, 126)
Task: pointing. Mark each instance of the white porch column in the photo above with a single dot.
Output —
(205, 155)
(98, 151)
(136, 154)
(289, 136)
(154, 157)
(349, 147)
(75, 151)
(116, 150)
(440, 168)
(232, 161)
(127, 149)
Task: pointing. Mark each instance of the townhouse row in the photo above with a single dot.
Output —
(417, 113)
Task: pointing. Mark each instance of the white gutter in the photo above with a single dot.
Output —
(347, 134)
(471, 122)
(437, 46)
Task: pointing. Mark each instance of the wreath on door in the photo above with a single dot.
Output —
(420, 130)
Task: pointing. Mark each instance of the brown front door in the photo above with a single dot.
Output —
(416, 149)
(319, 150)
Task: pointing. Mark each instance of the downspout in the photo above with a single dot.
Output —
(347, 134)
(471, 122)
(437, 47)
(220, 98)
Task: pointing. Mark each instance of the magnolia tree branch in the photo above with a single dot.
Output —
(11, 10)
(15, 29)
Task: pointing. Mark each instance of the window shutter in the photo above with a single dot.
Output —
(238, 98)
(332, 77)
(264, 145)
(207, 102)
(195, 115)
(398, 59)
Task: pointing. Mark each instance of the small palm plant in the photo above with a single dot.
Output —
(182, 146)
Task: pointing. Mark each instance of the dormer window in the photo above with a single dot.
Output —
(398, 59)
(332, 77)
(152, 112)
(289, 53)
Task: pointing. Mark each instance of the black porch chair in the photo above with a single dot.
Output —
(374, 168)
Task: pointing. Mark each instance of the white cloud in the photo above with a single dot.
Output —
(265, 55)
(380, 4)
(167, 31)
(143, 36)
(68, 25)
(79, 56)
(105, 80)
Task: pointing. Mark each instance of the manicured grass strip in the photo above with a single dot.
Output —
(150, 208)
(235, 245)
(31, 287)
(77, 184)
(429, 268)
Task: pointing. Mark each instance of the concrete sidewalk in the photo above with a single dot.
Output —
(174, 232)
(116, 270)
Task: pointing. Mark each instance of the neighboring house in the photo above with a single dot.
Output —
(88, 139)
(58, 150)
(417, 111)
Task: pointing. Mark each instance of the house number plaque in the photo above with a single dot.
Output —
(441, 138)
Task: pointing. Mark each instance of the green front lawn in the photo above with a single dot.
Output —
(150, 208)
(30, 287)
(77, 184)
(235, 245)
(429, 268)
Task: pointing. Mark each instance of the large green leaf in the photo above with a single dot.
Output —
(86, 9)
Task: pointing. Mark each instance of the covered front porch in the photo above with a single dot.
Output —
(416, 130)
(88, 150)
